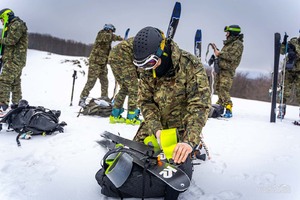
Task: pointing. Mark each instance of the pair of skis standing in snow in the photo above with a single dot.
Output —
(278, 84)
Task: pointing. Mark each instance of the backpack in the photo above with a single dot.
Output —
(33, 120)
(216, 111)
(133, 186)
(100, 107)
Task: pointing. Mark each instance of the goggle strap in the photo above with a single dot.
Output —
(154, 73)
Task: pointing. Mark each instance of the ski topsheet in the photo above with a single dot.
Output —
(197, 43)
(174, 21)
(141, 154)
(275, 76)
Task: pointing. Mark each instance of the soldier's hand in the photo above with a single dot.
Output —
(181, 152)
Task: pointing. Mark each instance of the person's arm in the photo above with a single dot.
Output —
(198, 106)
(231, 53)
(116, 37)
(14, 34)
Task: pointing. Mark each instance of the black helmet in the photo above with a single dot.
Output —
(234, 30)
(109, 27)
(148, 41)
(6, 14)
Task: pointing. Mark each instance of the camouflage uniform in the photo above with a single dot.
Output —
(229, 59)
(15, 44)
(125, 72)
(181, 101)
(292, 77)
(97, 62)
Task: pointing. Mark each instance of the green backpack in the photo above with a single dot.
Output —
(98, 107)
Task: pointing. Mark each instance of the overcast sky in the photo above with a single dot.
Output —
(80, 20)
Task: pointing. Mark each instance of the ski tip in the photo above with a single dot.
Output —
(177, 10)
(198, 33)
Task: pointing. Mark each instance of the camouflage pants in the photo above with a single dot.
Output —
(127, 78)
(223, 84)
(10, 82)
(292, 80)
(96, 71)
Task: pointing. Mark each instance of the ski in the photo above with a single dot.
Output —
(174, 21)
(275, 76)
(197, 43)
(137, 146)
(126, 34)
(143, 154)
(282, 106)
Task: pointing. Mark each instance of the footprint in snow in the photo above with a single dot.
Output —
(218, 166)
(265, 179)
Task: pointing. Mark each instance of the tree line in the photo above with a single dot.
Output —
(45, 42)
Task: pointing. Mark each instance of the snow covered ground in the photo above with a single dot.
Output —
(252, 159)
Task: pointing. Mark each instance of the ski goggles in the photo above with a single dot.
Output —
(147, 63)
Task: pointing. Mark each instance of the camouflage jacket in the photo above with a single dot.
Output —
(15, 42)
(102, 46)
(121, 57)
(296, 42)
(122, 52)
(181, 101)
(231, 53)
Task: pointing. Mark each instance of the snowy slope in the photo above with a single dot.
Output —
(252, 159)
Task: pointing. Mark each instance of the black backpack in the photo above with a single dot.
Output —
(216, 111)
(133, 186)
(33, 120)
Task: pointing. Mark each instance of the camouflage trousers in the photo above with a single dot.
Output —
(127, 78)
(10, 83)
(291, 81)
(96, 71)
(223, 84)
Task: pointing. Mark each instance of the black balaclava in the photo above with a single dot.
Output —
(166, 67)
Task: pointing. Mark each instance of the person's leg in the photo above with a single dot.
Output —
(6, 80)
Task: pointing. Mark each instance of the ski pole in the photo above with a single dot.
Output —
(74, 77)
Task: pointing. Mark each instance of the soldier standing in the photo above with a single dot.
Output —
(14, 45)
(229, 59)
(98, 61)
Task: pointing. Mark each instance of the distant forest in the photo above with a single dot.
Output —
(44, 42)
